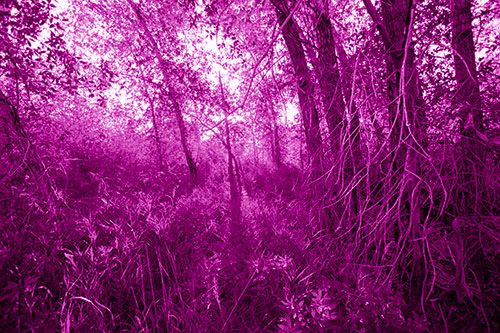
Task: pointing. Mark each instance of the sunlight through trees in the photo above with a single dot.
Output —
(260, 166)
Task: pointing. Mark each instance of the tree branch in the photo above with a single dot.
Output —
(380, 27)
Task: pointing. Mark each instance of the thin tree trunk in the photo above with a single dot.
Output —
(183, 135)
(277, 145)
(15, 146)
(171, 93)
(156, 132)
(354, 162)
(274, 133)
(18, 159)
(157, 137)
(467, 100)
(254, 144)
(395, 30)
(336, 91)
(9, 124)
(301, 155)
(239, 180)
(236, 229)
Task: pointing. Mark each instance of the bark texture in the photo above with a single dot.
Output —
(468, 102)
(402, 181)
(291, 35)
(467, 95)
(469, 193)
(329, 79)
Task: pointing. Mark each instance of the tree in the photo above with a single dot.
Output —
(30, 74)
(236, 227)
(291, 35)
(166, 69)
(402, 181)
(305, 89)
(154, 118)
(470, 189)
(329, 77)
(467, 99)
(13, 139)
(339, 106)
(467, 96)
(270, 117)
(15, 32)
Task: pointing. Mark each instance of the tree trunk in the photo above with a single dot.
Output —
(254, 143)
(156, 132)
(468, 101)
(9, 124)
(193, 171)
(467, 96)
(395, 29)
(469, 193)
(277, 145)
(402, 184)
(236, 228)
(17, 160)
(355, 158)
(398, 20)
(15, 146)
(291, 35)
(329, 79)
(274, 133)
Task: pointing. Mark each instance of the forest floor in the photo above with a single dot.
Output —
(123, 252)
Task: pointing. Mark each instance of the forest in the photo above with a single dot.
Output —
(249, 166)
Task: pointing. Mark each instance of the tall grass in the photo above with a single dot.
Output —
(106, 252)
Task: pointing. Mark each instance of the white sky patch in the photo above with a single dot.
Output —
(291, 112)
(217, 60)
(117, 92)
(60, 6)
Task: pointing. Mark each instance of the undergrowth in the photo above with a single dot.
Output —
(144, 254)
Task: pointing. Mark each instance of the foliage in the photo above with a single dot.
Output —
(103, 228)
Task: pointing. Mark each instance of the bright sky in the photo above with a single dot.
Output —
(60, 6)
(217, 59)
